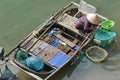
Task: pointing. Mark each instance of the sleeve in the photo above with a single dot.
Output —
(86, 25)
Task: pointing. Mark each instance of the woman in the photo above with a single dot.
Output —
(87, 22)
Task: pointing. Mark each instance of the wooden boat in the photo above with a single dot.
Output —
(96, 54)
(56, 42)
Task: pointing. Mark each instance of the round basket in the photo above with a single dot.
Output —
(96, 54)
(107, 25)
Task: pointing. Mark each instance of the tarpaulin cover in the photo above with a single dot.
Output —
(59, 59)
(55, 42)
(35, 63)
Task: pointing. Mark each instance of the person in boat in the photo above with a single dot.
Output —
(87, 22)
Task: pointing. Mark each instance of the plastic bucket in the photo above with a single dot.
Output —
(107, 25)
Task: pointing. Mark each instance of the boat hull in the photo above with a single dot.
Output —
(56, 42)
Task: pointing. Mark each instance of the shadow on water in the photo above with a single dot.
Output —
(113, 61)
(66, 71)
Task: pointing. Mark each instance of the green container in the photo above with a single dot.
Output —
(107, 25)
(103, 37)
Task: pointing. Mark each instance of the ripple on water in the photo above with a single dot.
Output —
(85, 64)
(112, 63)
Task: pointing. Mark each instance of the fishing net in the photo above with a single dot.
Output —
(8, 75)
(21, 56)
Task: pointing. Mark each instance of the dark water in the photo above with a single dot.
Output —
(20, 17)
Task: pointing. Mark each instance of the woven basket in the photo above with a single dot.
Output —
(96, 54)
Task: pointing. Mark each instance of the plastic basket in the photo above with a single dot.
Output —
(107, 25)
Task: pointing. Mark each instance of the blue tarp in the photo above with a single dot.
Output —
(35, 63)
(59, 59)
(55, 42)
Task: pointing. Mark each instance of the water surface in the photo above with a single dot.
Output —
(20, 17)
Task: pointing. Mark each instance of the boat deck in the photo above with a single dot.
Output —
(44, 51)
(69, 22)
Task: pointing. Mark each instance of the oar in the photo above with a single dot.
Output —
(40, 36)
(36, 32)
(85, 39)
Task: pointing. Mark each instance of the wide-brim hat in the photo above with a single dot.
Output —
(93, 18)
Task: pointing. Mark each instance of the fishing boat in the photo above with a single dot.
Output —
(54, 43)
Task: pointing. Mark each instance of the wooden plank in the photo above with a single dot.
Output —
(65, 40)
(75, 41)
(68, 35)
(68, 22)
(40, 36)
(48, 53)
(25, 46)
(48, 39)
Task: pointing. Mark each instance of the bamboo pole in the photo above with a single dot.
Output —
(40, 37)
(60, 12)
(39, 27)
(85, 39)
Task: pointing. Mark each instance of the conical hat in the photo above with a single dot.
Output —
(93, 18)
